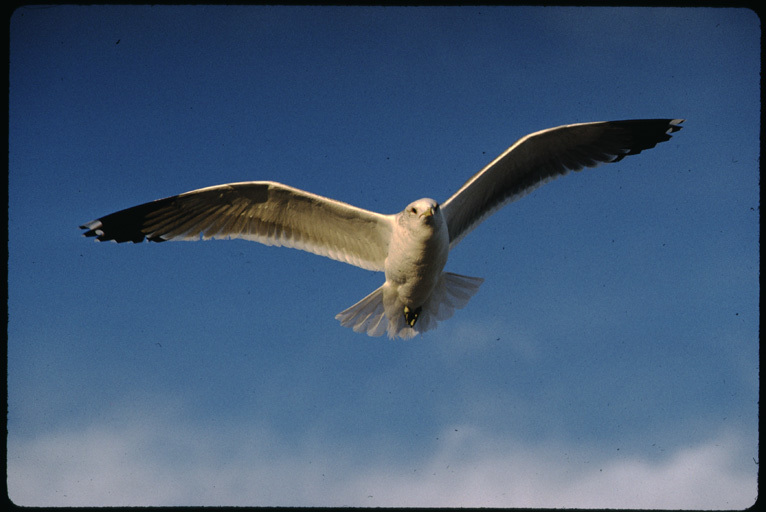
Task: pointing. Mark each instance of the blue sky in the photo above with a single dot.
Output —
(610, 359)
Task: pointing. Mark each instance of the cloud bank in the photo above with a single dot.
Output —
(143, 463)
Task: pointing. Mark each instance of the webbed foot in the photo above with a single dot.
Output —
(411, 316)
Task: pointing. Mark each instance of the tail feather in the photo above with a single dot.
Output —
(451, 292)
(367, 315)
(381, 311)
(460, 289)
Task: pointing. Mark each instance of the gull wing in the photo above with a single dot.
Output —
(542, 156)
(261, 211)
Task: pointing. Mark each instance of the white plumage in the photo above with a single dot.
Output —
(411, 247)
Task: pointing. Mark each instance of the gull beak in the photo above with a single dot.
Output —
(428, 213)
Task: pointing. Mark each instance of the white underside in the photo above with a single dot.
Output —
(381, 312)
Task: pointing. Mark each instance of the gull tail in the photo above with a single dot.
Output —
(381, 311)
(367, 315)
(451, 292)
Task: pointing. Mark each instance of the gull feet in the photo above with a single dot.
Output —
(411, 316)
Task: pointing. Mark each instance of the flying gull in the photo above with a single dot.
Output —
(411, 247)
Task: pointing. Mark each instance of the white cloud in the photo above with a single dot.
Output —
(471, 471)
(162, 463)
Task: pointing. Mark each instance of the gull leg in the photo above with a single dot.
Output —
(411, 316)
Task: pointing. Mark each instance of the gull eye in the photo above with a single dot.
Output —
(413, 210)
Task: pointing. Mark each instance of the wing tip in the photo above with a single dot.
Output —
(95, 229)
(674, 125)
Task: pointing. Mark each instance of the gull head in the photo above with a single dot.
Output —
(423, 211)
(423, 219)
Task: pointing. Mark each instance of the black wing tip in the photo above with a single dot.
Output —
(125, 225)
(647, 133)
(671, 126)
(95, 229)
(674, 125)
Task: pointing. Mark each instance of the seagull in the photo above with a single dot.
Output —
(410, 247)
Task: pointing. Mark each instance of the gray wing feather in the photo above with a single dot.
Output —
(542, 156)
(261, 211)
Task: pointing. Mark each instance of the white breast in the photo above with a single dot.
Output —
(417, 254)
